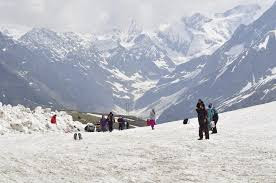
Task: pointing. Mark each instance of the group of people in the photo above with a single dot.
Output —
(207, 119)
(107, 124)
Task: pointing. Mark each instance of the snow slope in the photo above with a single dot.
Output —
(244, 150)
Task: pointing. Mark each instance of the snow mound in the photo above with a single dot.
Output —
(19, 119)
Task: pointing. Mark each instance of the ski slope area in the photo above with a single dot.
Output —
(244, 150)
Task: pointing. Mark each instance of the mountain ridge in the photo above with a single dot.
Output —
(128, 67)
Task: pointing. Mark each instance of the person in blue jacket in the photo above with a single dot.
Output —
(215, 119)
(212, 116)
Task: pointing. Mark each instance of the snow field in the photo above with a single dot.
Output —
(244, 150)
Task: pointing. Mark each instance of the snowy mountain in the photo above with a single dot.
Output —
(199, 35)
(122, 61)
(13, 31)
(130, 67)
(240, 73)
(50, 76)
(170, 153)
(15, 86)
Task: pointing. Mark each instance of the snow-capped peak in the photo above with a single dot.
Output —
(241, 9)
(199, 35)
(14, 31)
(196, 20)
(128, 36)
(134, 29)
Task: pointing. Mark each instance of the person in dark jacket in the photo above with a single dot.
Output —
(121, 122)
(103, 124)
(127, 124)
(111, 121)
(202, 120)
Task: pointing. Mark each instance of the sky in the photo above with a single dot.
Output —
(103, 15)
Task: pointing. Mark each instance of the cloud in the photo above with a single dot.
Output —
(101, 15)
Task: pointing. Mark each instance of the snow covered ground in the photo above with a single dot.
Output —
(244, 150)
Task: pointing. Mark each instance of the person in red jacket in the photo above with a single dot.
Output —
(54, 119)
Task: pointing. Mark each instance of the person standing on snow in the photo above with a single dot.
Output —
(210, 115)
(77, 134)
(121, 122)
(214, 118)
(127, 124)
(111, 121)
(54, 119)
(152, 119)
(103, 124)
(202, 120)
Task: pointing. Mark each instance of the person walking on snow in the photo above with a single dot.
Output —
(202, 120)
(111, 121)
(54, 119)
(152, 119)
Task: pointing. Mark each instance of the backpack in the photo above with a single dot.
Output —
(185, 121)
(215, 116)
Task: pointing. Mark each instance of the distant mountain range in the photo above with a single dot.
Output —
(226, 59)
(240, 73)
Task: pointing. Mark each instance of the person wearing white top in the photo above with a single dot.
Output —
(152, 118)
(152, 114)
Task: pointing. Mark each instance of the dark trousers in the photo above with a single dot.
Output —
(215, 128)
(103, 128)
(121, 126)
(110, 126)
(203, 128)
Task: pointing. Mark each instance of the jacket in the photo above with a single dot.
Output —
(103, 122)
(202, 116)
(54, 120)
(121, 120)
(210, 113)
(215, 116)
(110, 119)
(152, 115)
